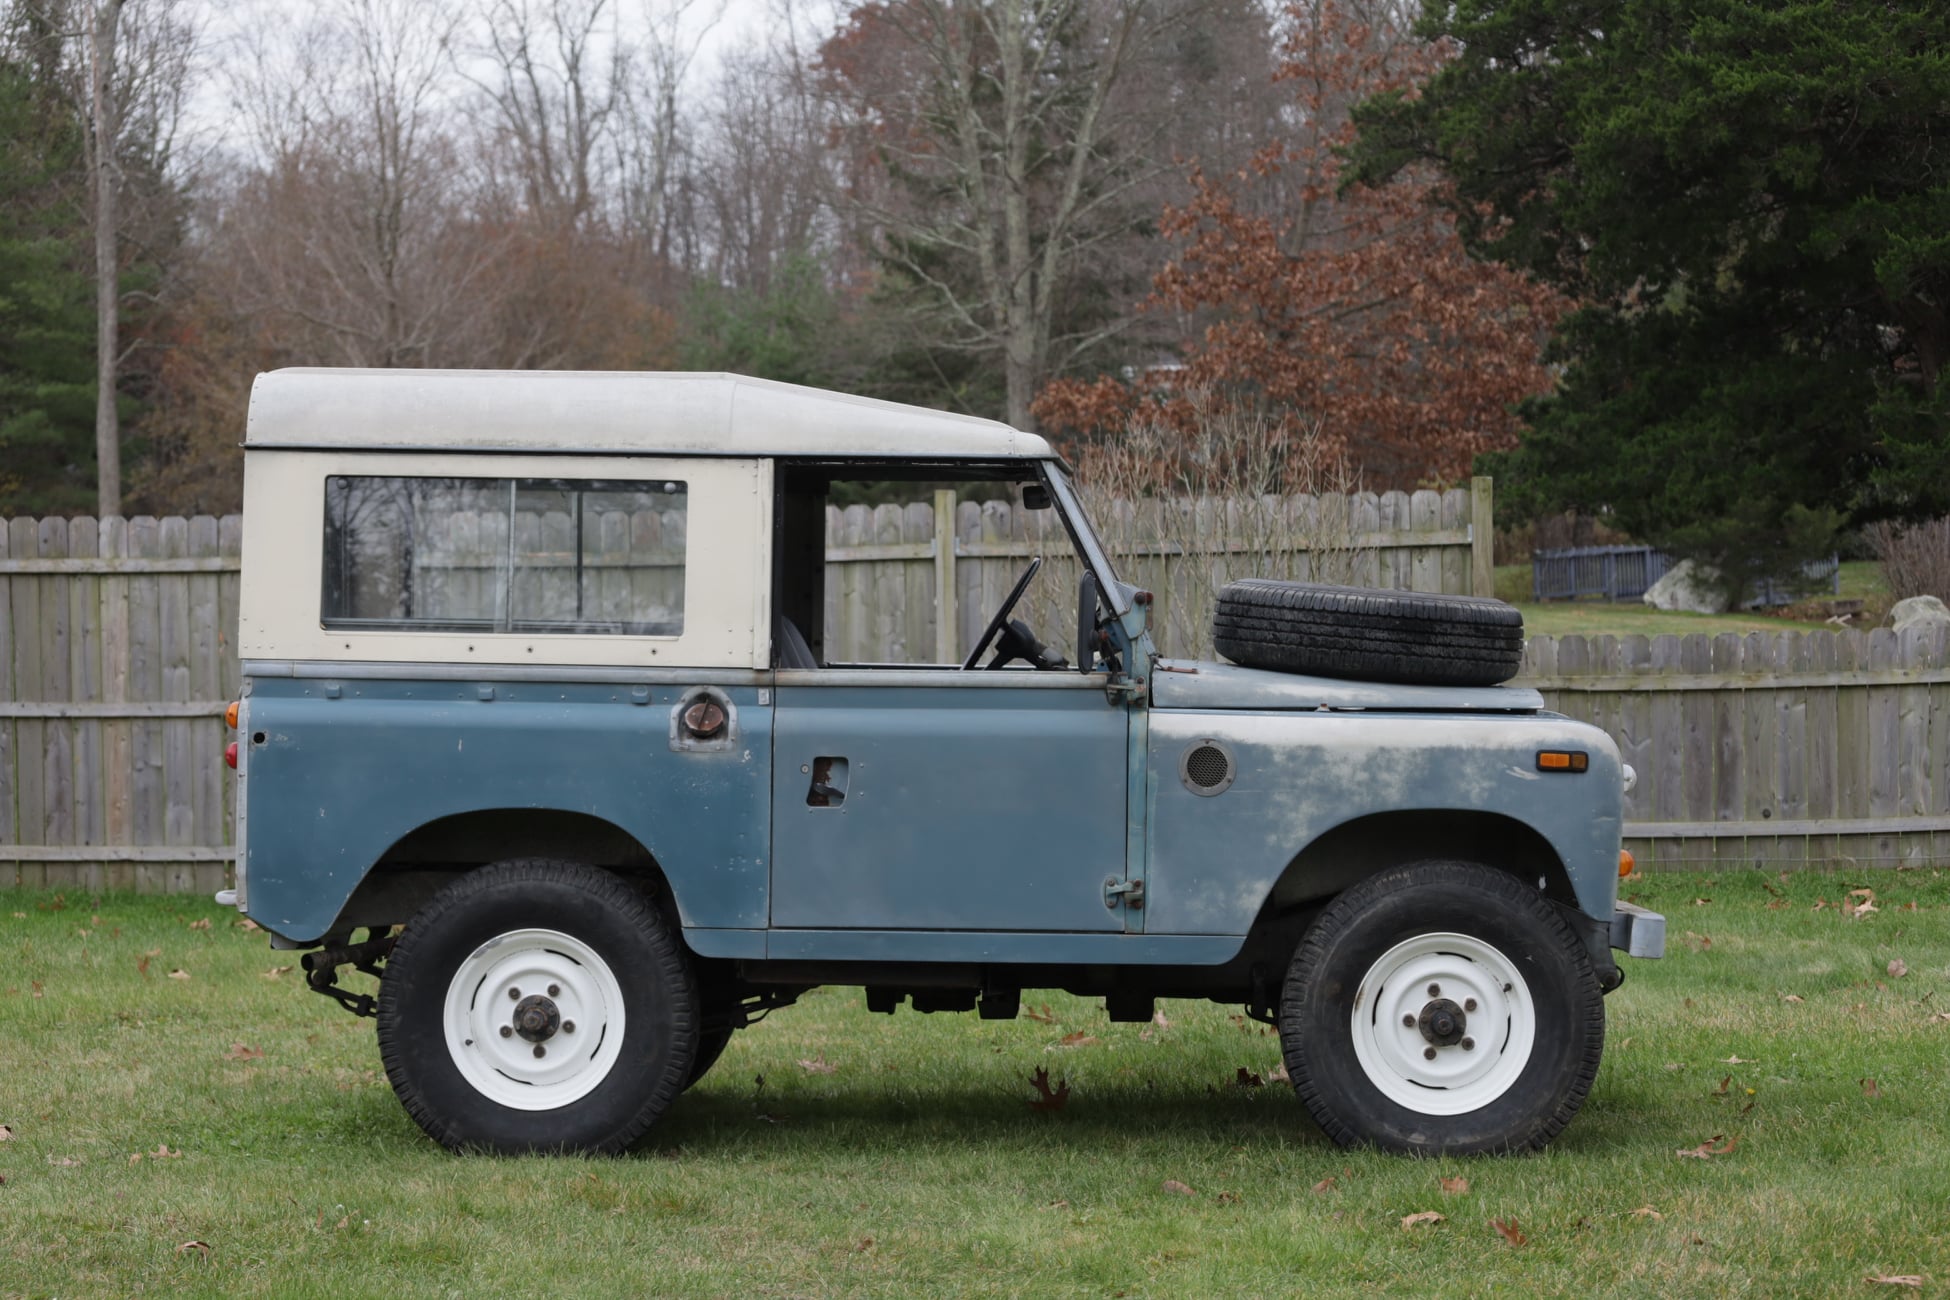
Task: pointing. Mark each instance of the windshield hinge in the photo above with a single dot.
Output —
(1129, 892)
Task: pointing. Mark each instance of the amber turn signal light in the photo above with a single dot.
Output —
(1625, 863)
(230, 716)
(1558, 760)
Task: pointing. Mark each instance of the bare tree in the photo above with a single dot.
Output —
(1005, 168)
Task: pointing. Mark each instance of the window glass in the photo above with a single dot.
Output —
(504, 555)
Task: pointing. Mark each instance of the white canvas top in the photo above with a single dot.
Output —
(605, 411)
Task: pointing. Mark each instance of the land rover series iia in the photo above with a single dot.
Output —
(540, 727)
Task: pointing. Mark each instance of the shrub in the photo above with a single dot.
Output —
(1915, 558)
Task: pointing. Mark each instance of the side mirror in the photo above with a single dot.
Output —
(1035, 497)
(1086, 653)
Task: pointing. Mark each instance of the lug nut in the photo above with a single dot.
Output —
(1428, 1053)
(507, 1031)
(1435, 990)
(540, 1051)
(1469, 1004)
(1408, 1022)
(555, 990)
(514, 995)
(1469, 1044)
(568, 1026)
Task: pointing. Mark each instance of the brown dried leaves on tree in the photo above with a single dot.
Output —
(1353, 309)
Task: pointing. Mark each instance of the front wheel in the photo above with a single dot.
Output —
(537, 1006)
(1442, 1008)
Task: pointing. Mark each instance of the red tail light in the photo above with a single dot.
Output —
(230, 753)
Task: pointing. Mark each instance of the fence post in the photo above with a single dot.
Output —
(945, 613)
(1482, 535)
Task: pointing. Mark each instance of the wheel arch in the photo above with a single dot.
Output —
(1362, 846)
(426, 859)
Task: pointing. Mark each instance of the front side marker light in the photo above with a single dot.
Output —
(230, 715)
(1626, 863)
(1562, 760)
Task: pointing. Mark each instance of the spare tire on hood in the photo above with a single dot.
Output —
(1368, 634)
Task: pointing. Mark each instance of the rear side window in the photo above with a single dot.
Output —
(582, 556)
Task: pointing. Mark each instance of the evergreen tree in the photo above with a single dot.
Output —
(1751, 201)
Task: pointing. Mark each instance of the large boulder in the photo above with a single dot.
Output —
(1918, 611)
(1686, 589)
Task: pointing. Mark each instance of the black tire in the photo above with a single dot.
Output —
(1368, 634)
(1396, 1098)
(599, 949)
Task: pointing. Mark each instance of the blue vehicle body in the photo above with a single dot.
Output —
(971, 818)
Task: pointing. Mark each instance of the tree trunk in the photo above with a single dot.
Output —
(106, 131)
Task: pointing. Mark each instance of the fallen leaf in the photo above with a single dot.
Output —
(1247, 1079)
(245, 924)
(162, 1152)
(1078, 1039)
(818, 1065)
(1279, 1074)
(1898, 968)
(1228, 1198)
(63, 1162)
(1701, 902)
(6, 1132)
(1869, 1088)
(1647, 1212)
(1939, 1016)
(1794, 997)
(1509, 1231)
(276, 971)
(1896, 1279)
(179, 974)
(1057, 1205)
(1738, 1060)
(763, 1118)
(1425, 1216)
(1158, 1019)
(1178, 1188)
(202, 1249)
(142, 967)
(1324, 1186)
(39, 991)
(1041, 1014)
(1717, 1145)
(1050, 1099)
(201, 923)
(1721, 1091)
(1454, 1186)
(20, 916)
(239, 1052)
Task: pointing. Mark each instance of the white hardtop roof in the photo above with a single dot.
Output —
(625, 412)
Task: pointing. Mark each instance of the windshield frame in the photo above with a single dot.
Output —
(1084, 536)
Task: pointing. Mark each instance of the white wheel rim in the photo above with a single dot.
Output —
(516, 972)
(1388, 1024)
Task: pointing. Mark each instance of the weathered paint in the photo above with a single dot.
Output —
(968, 805)
(1184, 684)
(1300, 774)
(337, 781)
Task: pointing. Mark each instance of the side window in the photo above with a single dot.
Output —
(572, 556)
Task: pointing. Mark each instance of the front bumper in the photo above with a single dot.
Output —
(1637, 932)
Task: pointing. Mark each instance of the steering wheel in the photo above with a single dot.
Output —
(1002, 615)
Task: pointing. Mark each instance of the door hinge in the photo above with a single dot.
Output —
(1129, 892)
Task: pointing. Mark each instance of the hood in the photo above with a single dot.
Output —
(1196, 684)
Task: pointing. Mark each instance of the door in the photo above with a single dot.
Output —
(933, 799)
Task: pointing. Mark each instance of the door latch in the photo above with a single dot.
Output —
(1129, 892)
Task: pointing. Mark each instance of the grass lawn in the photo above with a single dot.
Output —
(1861, 580)
(899, 1156)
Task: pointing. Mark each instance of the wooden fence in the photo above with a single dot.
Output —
(1782, 749)
(117, 656)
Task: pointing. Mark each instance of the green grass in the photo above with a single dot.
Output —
(1861, 580)
(916, 1166)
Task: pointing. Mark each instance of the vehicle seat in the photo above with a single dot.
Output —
(794, 651)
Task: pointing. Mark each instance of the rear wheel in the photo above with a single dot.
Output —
(1442, 1008)
(537, 1006)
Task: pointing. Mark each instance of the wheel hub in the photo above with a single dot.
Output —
(537, 1018)
(1442, 1023)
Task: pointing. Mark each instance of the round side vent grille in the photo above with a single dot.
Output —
(1207, 768)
